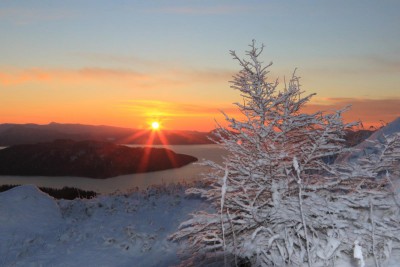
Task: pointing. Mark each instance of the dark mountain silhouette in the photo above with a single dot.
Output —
(14, 134)
(86, 159)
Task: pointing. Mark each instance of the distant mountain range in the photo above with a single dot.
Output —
(14, 134)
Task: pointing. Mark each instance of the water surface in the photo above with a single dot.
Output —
(123, 183)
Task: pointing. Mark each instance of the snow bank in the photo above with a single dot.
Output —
(26, 208)
(118, 230)
(27, 218)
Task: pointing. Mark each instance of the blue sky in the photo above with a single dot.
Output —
(342, 49)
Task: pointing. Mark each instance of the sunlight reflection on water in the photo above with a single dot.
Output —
(123, 183)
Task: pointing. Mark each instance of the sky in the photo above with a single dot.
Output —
(128, 63)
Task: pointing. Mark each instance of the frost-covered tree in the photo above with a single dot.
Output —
(278, 199)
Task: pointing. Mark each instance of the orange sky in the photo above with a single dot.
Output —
(126, 98)
(127, 63)
(113, 97)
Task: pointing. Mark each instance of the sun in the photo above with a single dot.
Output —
(155, 125)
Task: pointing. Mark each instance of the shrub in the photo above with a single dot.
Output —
(64, 193)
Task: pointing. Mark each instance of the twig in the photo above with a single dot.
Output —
(373, 233)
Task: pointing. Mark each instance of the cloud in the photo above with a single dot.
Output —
(383, 64)
(120, 59)
(371, 112)
(176, 115)
(363, 65)
(202, 76)
(24, 76)
(97, 73)
(162, 79)
(168, 110)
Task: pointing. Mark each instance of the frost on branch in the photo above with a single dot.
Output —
(279, 201)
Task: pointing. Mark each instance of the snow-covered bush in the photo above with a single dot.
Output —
(278, 200)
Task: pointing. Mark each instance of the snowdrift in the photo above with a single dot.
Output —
(119, 230)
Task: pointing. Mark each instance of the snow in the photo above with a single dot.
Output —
(28, 209)
(367, 146)
(116, 230)
(284, 203)
(358, 254)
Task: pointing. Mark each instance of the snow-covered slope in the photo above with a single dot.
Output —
(391, 128)
(27, 209)
(367, 146)
(120, 230)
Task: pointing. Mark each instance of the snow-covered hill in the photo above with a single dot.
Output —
(367, 146)
(121, 230)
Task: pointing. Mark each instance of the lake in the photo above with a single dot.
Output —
(123, 183)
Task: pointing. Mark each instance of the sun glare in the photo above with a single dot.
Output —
(155, 125)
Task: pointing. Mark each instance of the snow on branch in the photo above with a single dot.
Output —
(283, 202)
